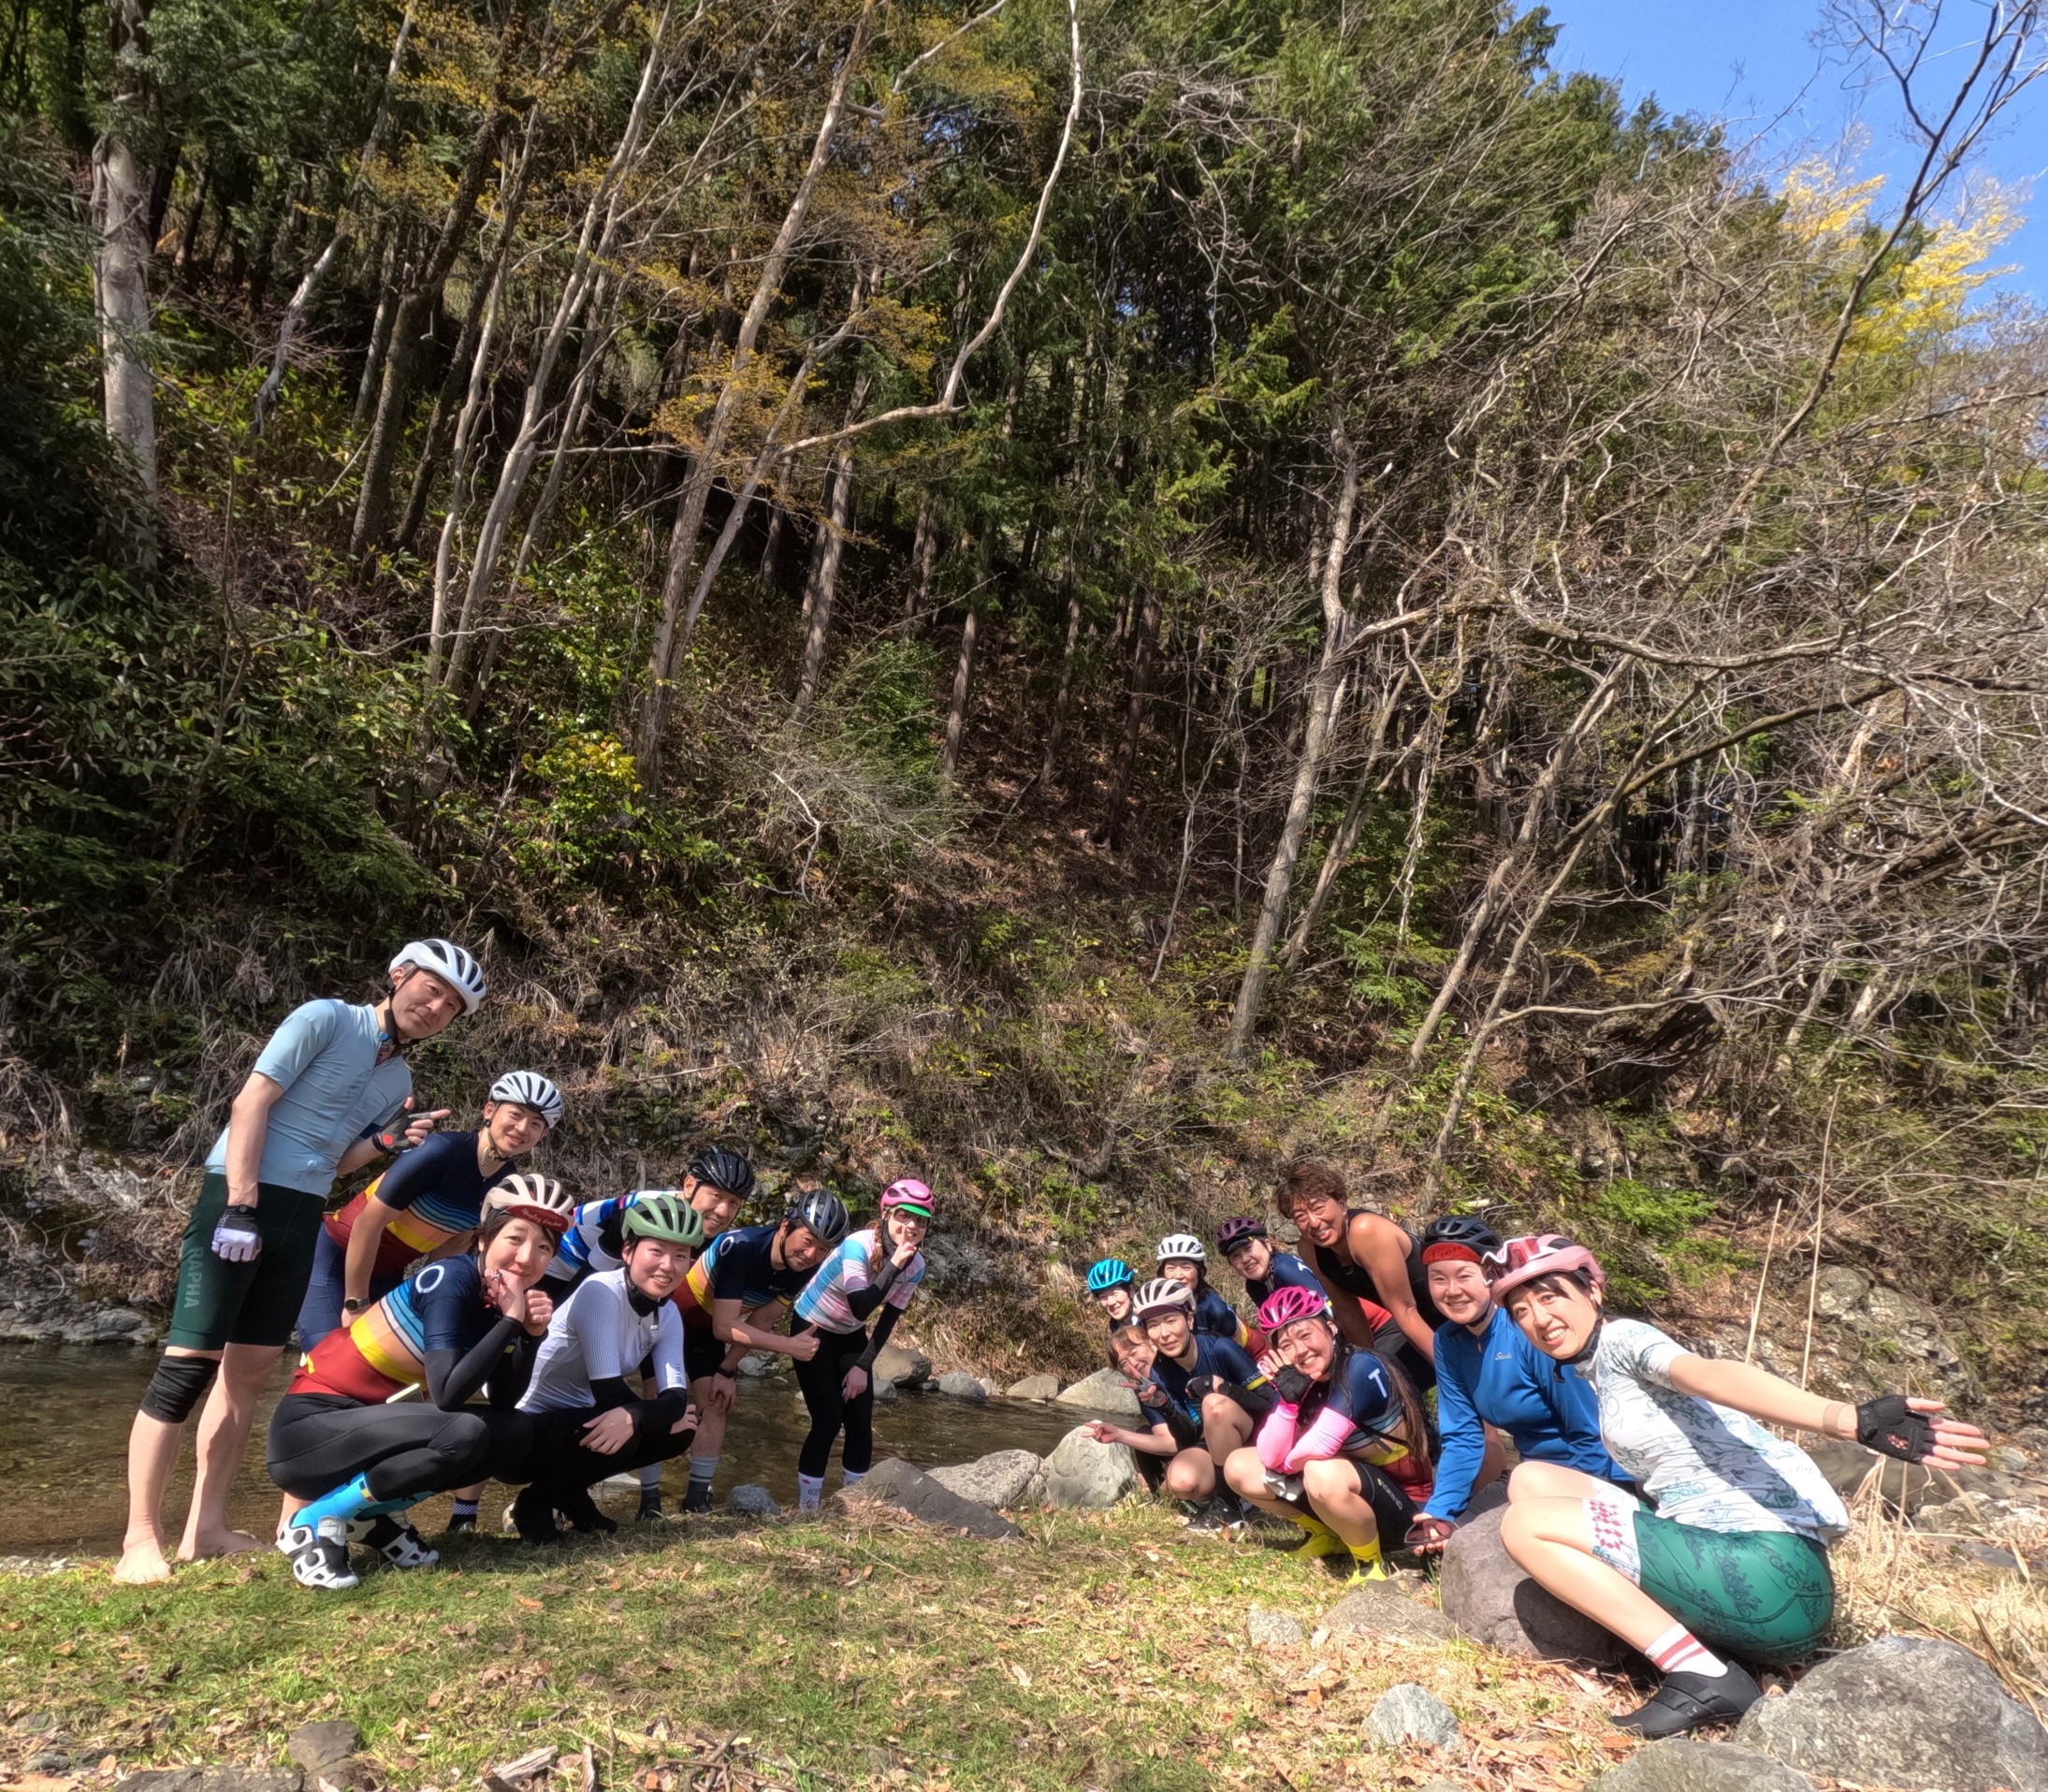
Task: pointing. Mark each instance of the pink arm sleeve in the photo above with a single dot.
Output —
(1319, 1441)
(1277, 1436)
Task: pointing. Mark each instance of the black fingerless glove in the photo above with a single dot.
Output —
(1291, 1385)
(1200, 1386)
(1889, 1426)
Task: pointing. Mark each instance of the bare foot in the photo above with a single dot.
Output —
(141, 1565)
(198, 1549)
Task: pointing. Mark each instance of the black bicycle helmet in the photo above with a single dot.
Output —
(822, 1214)
(1468, 1229)
(723, 1167)
(1233, 1232)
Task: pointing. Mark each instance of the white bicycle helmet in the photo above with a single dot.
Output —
(1178, 1248)
(446, 960)
(531, 1089)
(539, 1199)
(1163, 1295)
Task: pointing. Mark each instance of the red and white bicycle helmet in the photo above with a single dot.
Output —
(1535, 1255)
(539, 1199)
(1285, 1306)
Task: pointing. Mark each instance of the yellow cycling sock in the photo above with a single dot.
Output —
(1317, 1540)
(1366, 1557)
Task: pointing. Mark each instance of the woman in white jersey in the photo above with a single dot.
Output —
(1731, 1550)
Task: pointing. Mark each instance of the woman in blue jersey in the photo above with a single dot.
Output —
(1343, 1454)
(872, 1271)
(462, 1326)
(1163, 1429)
(1487, 1375)
(1182, 1259)
(1219, 1389)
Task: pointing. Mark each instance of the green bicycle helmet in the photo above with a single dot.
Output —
(666, 1217)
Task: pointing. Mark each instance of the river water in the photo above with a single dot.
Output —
(65, 1411)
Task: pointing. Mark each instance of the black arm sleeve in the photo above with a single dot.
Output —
(884, 1326)
(864, 1301)
(659, 1414)
(515, 1370)
(612, 1390)
(1182, 1429)
(453, 1381)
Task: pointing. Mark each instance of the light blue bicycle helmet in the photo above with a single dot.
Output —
(1111, 1271)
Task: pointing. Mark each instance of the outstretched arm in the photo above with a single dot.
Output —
(1915, 1430)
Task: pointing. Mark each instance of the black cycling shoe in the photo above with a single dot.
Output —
(461, 1522)
(698, 1499)
(581, 1510)
(650, 1502)
(533, 1515)
(400, 1544)
(1686, 1702)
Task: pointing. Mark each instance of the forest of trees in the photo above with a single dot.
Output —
(1104, 570)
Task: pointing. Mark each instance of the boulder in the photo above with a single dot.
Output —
(1488, 1597)
(761, 1363)
(906, 1367)
(896, 1484)
(962, 1386)
(1081, 1474)
(326, 1750)
(750, 1500)
(1272, 1629)
(883, 1390)
(1679, 1766)
(1034, 1387)
(1005, 1478)
(1103, 1392)
(212, 1778)
(1408, 1714)
(1904, 1711)
(1376, 1610)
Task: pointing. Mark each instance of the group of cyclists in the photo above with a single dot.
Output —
(463, 1320)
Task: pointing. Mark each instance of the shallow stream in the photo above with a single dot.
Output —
(65, 1411)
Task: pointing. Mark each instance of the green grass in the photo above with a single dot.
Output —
(1104, 1652)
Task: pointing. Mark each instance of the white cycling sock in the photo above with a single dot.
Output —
(1679, 1651)
(810, 1490)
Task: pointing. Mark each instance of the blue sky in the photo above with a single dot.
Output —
(1754, 64)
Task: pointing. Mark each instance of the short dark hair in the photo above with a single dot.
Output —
(1309, 1179)
(494, 1222)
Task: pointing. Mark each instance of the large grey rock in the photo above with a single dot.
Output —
(1103, 1392)
(883, 1390)
(896, 1484)
(761, 1363)
(1699, 1767)
(1407, 1714)
(1377, 1610)
(962, 1386)
(1005, 1478)
(1904, 1711)
(1081, 1474)
(324, 1747)
(1488, 1597)
(1034, 1387)
(213, 1779)
(906, 1367)
(750, 1500)
(1273, 1629)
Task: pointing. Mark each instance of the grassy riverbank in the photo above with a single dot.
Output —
(1106, 1652)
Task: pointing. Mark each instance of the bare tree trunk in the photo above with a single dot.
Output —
(670, 633)
(468, 428)
(121, 269)
(1049, 765)
(1134, 719)
(1325, 696)
(771, 549)
(957, 716)
(825, 582)
(924, 551)
(389, 279)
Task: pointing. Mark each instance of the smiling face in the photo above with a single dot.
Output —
(1135, 1354)
(520, 1251)
(1117, 1301)
(1459, 1287)
(514, 1127)
(901, 1227)
(1252, 1258)
(715, 1206)
(1169, 1330)
(1321, 1219)
(1555, 1314)
(1309, 1345)
(802, 1248)
(422, 1003)
(656, 1265)
(1184, 1270)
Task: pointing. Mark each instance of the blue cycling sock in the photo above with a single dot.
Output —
(351, 1499)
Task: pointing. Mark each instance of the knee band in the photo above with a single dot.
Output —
(179, 1385)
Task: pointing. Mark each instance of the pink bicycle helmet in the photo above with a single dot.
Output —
(1285, 1305)
(907, 1192)
(1535, 1255)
